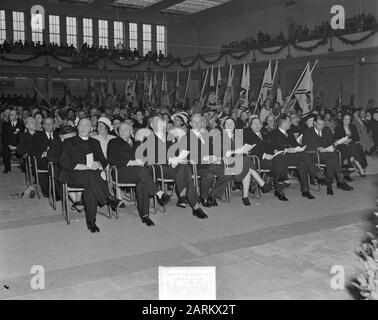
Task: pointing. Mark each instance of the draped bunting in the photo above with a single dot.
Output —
(237, 54)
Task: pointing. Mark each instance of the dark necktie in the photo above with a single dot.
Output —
(130, 142)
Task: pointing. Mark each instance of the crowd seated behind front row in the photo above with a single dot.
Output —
(341, 137)
(299, 33)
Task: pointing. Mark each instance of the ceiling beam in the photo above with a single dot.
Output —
(156, 7)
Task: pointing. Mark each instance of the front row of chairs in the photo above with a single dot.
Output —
(115, 186)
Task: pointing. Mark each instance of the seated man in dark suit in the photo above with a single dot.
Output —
(121, 153)
(320, 139)
(280, 140)
(174, 167)
(208, 166)
(40, 145)
(82, 163)
(275, 163)
(53, 153)
(25, 142)
(10, 135)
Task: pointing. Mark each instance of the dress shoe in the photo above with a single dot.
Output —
(181, 202)
(344, 186)
(266, 188)
(114, 202)
(92, 227)
(213, 200)
(280, 195)
(147, 220)
(307, 194)
(246, 201)
(199, 213)
(6, 171)
(205, 202)
(164, 199)
(329, 190)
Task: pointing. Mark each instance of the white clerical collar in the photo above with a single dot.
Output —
(283, 131)
(84, 138)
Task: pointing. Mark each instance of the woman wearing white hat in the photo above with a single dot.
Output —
(104, 126)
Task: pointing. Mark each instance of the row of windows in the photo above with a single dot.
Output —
(71, 31)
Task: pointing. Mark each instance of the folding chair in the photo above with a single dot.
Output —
(65, 199)
(28, 171)
(52, 192)
(162, 182)
(115, 185)
(37, 172)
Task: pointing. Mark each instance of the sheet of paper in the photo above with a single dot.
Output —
(90, 160)
(183, 154)
(342, 140)
(277, 153)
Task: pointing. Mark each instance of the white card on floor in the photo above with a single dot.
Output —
(187, 283)
(90, 160)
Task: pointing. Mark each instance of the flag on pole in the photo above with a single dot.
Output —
(228, 94)
(155, 84)
(243, 87)
(218, 89)
(91, 93)
(340, 97)
(67, 93)
(135, 92)
(164, 101)
(187, 87)
(202, 98)
(150, 91)
(102, 97)
(212, 98)
(39, 93)
(177, 88)
(146, 86)
(279, 95)
(267, 83)
(304, 91)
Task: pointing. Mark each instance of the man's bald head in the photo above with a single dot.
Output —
(84, 127)
(124, 130)
(196, 121)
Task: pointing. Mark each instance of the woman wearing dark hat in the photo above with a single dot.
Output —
(249, 170)
(351, 148)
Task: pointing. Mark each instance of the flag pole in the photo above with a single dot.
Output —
(187, 86)
(297, 84)
(203, 87)
(262, 84)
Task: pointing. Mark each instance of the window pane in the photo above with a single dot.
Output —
(36, 26)
(71, 31)
(54, 29)
(133, 36)
(2, 26)
(147, 45)
(18, 26)
(103, 33)
(118, 32)
(161, 42)
(87, 31)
